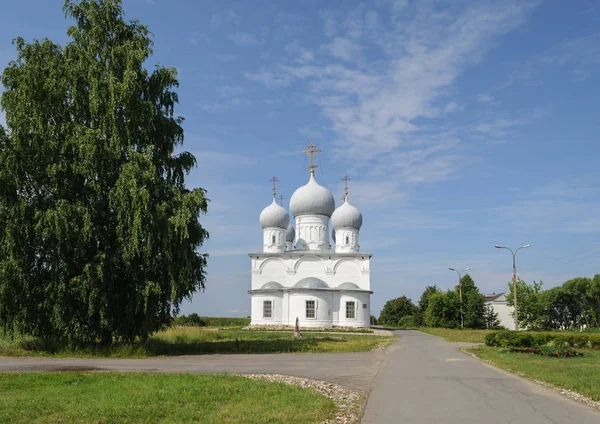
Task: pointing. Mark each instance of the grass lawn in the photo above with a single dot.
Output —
(155, 398)
(456, 335)
(580, 374)
(196, 341)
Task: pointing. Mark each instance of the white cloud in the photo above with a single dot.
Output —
(374, 110)
(484, 98)
(268, 78)
(243, 38)
(229, 17)
(343, 48)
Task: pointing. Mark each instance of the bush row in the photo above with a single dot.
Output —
(508, 338)
(194, 320)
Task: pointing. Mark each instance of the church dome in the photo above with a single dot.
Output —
(312, 199)
(348, 286)
(274, 216)
(311, 283)
(290, 234)
(271, 285)
(346, 216)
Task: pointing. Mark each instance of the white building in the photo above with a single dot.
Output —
(299, 274)
(505, 312)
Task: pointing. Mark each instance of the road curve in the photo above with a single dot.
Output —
(355, 370)
(428, 380)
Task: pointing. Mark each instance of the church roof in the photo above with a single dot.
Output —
(348, 286)
(312, 199)
(346, 216)
(271, 285)
(274, 216)
(311, 283)
(290, 234)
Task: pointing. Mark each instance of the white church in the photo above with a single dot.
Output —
(299, 274)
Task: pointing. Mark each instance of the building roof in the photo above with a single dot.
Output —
(492, 297)
(312, 199)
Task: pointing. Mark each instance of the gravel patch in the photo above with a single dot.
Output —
(571, 395)
(348, 402)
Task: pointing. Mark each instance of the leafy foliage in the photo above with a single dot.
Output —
(423, 304)
(473, 303)
(574, 305)
(443, 310)
(100, 235)
(490, 317)
(396, 309)
(191, 320)
(508, 338)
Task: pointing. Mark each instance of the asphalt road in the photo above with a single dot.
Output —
(419, 379)
(427, 380)
(356, 370)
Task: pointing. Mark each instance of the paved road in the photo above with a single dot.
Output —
(427, 380)
(356, 370)
(420, 379)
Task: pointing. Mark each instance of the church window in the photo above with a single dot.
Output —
(347, 240)
(267, 309)
(351, 310)
(310, 309)
(273, 240)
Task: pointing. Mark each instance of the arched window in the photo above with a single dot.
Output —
(347, 240)
(273, 240)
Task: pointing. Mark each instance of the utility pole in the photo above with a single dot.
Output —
(460, 294)
(514, 255)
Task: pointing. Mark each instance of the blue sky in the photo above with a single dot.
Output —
(462, 125)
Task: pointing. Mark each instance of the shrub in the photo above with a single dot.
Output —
(547, 350)
(508, 338)
(407, 322)
(192, 320)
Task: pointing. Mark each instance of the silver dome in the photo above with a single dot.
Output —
(312, 199)
(290, 234)
(271, 285)
(346, 216)
(348, 286)
(311, 283)
(274, 216)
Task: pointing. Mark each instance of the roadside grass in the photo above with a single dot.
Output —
(457, 335)
(155, 398)
(579, 374)
(201, 340)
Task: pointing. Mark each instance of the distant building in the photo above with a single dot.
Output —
(299, 274)
(505, 312)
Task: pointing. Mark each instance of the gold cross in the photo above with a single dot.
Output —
(274, 181)
(311, 151)
(281, 199)
(346, 179)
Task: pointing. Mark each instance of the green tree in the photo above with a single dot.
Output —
(99, 233)
(530, 302)
(396, 309)
(443, 310)
(473, 303)
(490, 317)
(423, 303)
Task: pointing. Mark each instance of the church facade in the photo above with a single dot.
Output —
(299, 273)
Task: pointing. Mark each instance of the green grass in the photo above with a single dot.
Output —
(155, 398)
(456, 335)
(197, 341)
(581, 374)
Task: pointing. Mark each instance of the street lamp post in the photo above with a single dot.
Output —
(514, 255)
(460, 293)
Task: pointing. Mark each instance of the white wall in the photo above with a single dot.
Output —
(257, 308)
(288, 269)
